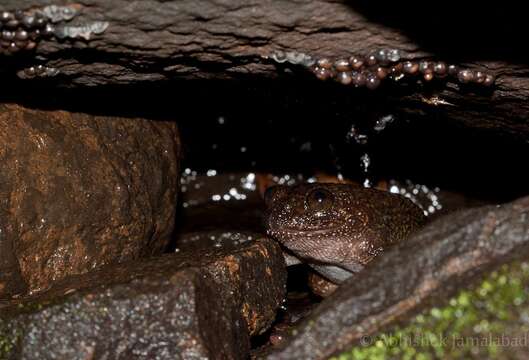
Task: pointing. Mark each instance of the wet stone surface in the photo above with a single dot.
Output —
(79, 191)
(201, 304)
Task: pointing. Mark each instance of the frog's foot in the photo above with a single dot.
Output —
(320, 286)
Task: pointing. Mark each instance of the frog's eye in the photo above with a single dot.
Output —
(319, 200)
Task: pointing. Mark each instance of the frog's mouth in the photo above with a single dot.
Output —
(336, 229)
(303, 241)
(296, 233)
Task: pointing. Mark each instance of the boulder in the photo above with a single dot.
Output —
(79, 191)
(188, 305)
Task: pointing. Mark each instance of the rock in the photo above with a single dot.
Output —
(488, 321)
(260, 301)
(202, 304)
(447, 254)
(79, 191)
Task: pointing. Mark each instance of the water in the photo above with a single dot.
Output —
(286, 135)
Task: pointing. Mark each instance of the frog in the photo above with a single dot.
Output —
(337, 229)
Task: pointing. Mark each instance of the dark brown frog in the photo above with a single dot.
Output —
(338, 228)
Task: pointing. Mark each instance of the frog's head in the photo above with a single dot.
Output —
(338, 224)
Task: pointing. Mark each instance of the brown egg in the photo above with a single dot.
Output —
(31, 45)
(6, 16)
(428, 76)
(410, 67)
(371, 60)
(322, 73)
(479, 77)
(381, 72)
(12, 24)
(324, 63)
(342, 65)
(13, 48)
(344, 77)
(359, 79)
(372, 81)
(465, 76)
(440, 68)
(453, 70)
(8, 35)
(489, 80)
(21, 35)
(356, 62)
(396, 69)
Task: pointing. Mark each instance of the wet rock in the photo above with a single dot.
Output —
(259, 312)
(485, 322)
(447, 254)
(79, 191)
(203, 304)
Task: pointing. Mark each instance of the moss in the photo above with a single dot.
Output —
(491, 321)
(8, 340)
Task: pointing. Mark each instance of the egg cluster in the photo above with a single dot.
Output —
(38, 71)
(21, 31)
(369, 71)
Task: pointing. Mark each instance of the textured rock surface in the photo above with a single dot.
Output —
(259, 300)
(197, 305)
(433, 265)
(80, 191)
(150, 40)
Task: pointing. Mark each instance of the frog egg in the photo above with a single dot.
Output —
(410, 67)
(344, 78)
(21, 35)
(40, 22)
(396, 69)
(479, 77)
(465, 76)
(48, 30)
(30, 45)
(489, 80)
(356, 62)
(28, 22)
(371, 60)
(381, 55)
(453, 70)
(372, 81)
(30, 72)
(8, 35)
(6, 16)
(440, 68)
(322, 73)
(381, 72)
(342, 65)
(425, 67)
(359, 79)
(393, 55)
(13, 48)
(324, 63)
(12, 24)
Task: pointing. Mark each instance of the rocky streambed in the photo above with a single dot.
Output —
(136, 162)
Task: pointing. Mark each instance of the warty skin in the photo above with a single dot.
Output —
(338, 228)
